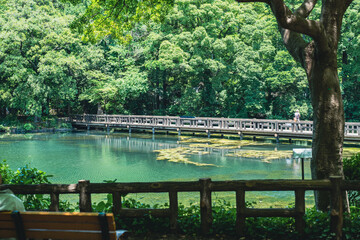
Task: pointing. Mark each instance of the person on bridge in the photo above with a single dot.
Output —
(8, 201)
(297, 116)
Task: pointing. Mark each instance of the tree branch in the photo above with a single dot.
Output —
(306, 8)
(295, 22)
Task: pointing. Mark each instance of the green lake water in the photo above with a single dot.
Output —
(98, 156)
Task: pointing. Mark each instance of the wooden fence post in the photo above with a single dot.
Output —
(54, 205)
(240, 211)
(116, 203)
(85, 197)
(173, 202)
(300, 211)
(205, 205)
(336, 211)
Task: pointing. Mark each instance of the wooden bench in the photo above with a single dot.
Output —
(58, 225)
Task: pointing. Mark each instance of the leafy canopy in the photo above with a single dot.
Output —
(117, 17)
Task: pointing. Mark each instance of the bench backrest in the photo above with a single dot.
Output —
(57, 225)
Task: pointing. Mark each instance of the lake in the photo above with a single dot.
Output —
(97, 156)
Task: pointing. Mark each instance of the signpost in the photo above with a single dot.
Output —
(302, 153)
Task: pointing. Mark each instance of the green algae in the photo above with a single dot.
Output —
(200, 146)
(265, 155)
(348, 152)
(220, 143)
(180, 155)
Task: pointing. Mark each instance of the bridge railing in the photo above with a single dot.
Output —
(227, 124)
(336, 186)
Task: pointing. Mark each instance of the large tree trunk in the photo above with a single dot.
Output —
(328, 134)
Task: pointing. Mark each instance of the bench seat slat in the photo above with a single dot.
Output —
(63, 225)
(70, 235)
(7, 233)
(7, 225)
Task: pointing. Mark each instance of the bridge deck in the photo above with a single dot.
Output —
(254, 127)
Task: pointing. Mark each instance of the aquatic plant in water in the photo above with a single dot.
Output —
(197, 146)
(180, 155)
(266, 155)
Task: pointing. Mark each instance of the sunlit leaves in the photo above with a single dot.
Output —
(116, 17)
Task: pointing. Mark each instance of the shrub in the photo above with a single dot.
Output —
(66, 125)
(28, 175)
(29, 127)
(2, 128)
(352, 172)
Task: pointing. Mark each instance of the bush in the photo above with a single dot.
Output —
(66, 125)
(352, 172)
(28, 175)
(2, 128)
(29, 127)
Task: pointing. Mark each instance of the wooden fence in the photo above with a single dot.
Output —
(263, 127)
(84, 188)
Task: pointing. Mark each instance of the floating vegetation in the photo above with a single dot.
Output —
(266, 156)
(220, 143)
(180, 155)
(348, 152)
(200, 146)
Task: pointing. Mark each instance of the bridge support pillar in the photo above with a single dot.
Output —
(129, 130)
(153, 131)
(179, 131)
(208, 133)
(107, 128)
(88, 127)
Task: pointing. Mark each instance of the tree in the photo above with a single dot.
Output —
(318, 57)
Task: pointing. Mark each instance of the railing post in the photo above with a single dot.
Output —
(240, 211)
(117, 205)
(173, 202)
(300, 211)
(85, 197)
(205, 205)
(336, 211)
(54, 205)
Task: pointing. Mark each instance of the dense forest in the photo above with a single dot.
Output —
(206, 58)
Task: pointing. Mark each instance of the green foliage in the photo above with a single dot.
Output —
(224, 217)
(28, 175)
(352, 172)
(195, 58)
(6, 173)
(349, 55)
(66, 125)
(115, 18)
(29, 127)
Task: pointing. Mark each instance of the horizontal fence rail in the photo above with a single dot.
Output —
(336, 186)
(263, 127)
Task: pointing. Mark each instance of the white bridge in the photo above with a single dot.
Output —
(253, 127)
